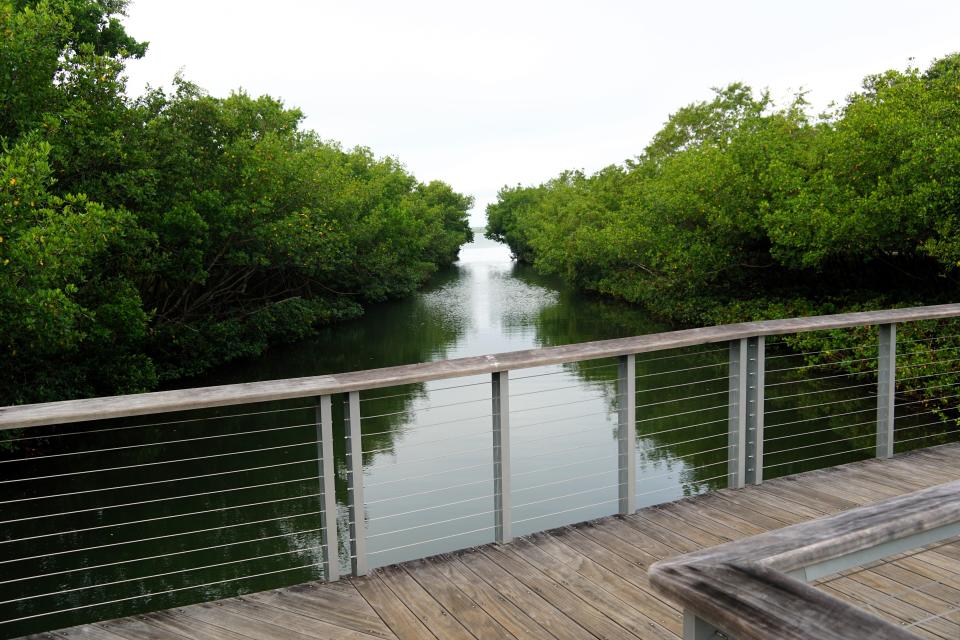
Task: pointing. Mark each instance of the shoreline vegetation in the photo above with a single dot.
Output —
(148, 239)
(741, 209)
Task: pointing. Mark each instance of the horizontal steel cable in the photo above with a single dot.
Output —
(555, 420)
(433, 506)
(561, 466)
(667, 373)
(562, 404)
(439, 440)
(429, 491)
(587, 384)
(819, 444)
(428, 407)
(557, 513)
(155, 557)
(154, 500)
(822, 404)
(427, 475)
(154, 594)
(152, 424)
(312, 443)
(153, 482)
(568, 495)
(156, 575)
(819, 391)
(605, 472)
(155, 444)
(928, 424)
(416, 544)
(924, 364)
(829, 455)
(564, 371)
(431, 524)
(827, 417)
(684, 399)
(818, 379)
(420, 427)
(161, 537)
(807, 433)
(929, 435)
(813, 353)
(822, 364)
(177, 515)
(682, 384)
(682, 413)
(693, 354)
(689, 426)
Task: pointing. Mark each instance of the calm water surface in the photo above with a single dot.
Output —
(108, 519)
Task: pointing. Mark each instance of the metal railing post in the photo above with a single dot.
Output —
(886, 389)
(626, 433)
(358, 526)
(756, 354)
(329, 544)
(737, 428)
(501, 456)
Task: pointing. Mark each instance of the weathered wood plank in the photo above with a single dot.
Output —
(543, 612)
(578, 582)
(639, 612)
(327, 605)
(299, 623)
(510, 617)
(136, 629)
(430, 612)
(175, 625)
(594, 593)
(759, 563)
(584, 614)
(391, 610)
(86, 632)
(267, 391)
(472, 617)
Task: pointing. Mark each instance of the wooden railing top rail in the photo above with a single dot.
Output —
(743, 588)
(252, 392)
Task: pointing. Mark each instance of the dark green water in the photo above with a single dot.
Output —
(108, 519)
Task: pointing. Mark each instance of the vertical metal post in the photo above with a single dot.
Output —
(737, 431)
(696, 629)
(501, 457)
(358, 526)
(329, 544)
(886, 389)
(756, 348)
(626, 433)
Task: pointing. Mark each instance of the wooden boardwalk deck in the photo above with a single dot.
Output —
(589, 580)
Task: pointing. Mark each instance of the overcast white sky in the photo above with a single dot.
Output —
(484, 94)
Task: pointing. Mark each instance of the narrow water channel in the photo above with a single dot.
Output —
(109, 519)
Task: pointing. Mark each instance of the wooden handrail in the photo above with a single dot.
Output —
(743, 587)
(217, 396)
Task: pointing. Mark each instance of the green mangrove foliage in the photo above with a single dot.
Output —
(741, 209)
(151, 238)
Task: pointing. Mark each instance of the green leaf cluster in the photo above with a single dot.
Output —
(146, 239)
(740, 208)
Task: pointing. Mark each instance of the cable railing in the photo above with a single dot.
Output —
(109, 508)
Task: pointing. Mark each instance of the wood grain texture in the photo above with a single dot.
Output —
(726, 584)
(589, 580)
(270, 390)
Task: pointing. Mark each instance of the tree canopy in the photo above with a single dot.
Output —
(150, 238)
(740, 208)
